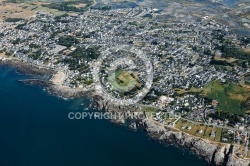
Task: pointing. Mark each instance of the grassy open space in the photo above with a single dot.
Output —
(229, 95)
(192, 90)
(189, 124)
(126, 78)
(16, 10)
(151, 109)
(194, 129)
(203, 128)
(248, 154)
(182, 123)
(178, 124)
(168, 121)
(218, 134)
(208, 132)
(124, 81)
(220, 58)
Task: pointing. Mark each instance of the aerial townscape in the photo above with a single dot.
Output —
(162, 59)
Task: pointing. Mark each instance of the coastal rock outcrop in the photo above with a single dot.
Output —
(199, 146)
(66, 92)
(133, 126)
(25, 68)
(36, 82)
(219, 154)
(235, 161)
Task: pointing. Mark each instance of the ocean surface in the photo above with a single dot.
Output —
(35, 131)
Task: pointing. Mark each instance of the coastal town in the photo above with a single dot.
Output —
(198, 70)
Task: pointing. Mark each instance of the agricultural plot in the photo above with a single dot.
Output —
(208, 132)
(200, 134)
(218, 135)
(182, 125)
(230, 96)
(189, 127)
(194, 129)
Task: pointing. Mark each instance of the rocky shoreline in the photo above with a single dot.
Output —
(50, 87)
(25, 68)
(215, 153)
(53, 89)
(218, 154)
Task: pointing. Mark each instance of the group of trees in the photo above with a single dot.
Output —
(9, 53)
(245, 40)
(104, 8)
(229, 49)
(68, 41)
(13, 19)
(233, 118)
(16, 1)
(36, 55)
(61, 16)
(32, 45)
(86, 54)
(81, 54)
(246, 104)
(17, 41)
(68, 6)
(21, 26)
(234, 52)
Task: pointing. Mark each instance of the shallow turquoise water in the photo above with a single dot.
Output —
(35, 131)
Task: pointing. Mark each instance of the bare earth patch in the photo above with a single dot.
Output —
(58, 78)
(238, 97)
(247, 50)
(15, 10)
(218, 57)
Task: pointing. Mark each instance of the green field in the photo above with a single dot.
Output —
(203, 128)
(207, 132)
(151, 109)
(123, 81)
(218, 134)
(194, 129)
(229, 95)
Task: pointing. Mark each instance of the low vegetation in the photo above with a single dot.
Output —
(67, 6)
(13, 19)
(68, 41)
(230, 96)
